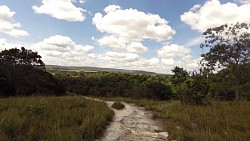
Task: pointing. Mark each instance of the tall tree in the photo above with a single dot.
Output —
(24, 57)
(229, 48)
(22, 72)
(180, 76)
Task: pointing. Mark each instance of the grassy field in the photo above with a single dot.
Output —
(219, 121)
(52, 118)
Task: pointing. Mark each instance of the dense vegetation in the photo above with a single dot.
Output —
(115, 84)
(52, 118)
(22, 72)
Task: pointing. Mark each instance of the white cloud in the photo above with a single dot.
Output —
(213, 14)
(195, 41)
(116, 44)
(112, 8)
(61, 9)
(121, 57)
(132, 25)
(112, 42)
(136, 47)
(4, 44)
(173, 50)
(168, 62)
(8, 24)
(61, 50)
(125, 29)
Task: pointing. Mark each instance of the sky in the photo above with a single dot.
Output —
(149, 35)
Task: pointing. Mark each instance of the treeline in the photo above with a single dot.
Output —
(22, 73)
(199, 86)
(108, 84)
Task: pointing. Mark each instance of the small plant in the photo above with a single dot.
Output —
(118, 105)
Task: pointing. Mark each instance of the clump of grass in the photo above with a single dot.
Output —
(52, 118)
(118, 105)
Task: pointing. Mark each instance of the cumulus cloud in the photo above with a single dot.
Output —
(8, 25)
(61, 9)
(116, 44)
(136, 47)
(112, 8)
(125, 29)
(5, 44)
(121, 57)
(173, 50)
(213, 14)
(61, 44)
(168, 62)
(112, 42)
(132, 25)
(62, 50)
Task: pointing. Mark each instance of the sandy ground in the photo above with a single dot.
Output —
(133, 124)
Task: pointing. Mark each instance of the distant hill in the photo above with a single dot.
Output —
(83, 68)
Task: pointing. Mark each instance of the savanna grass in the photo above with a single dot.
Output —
(218, 121)
(52, 118)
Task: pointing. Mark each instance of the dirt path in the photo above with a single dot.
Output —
(133, 124)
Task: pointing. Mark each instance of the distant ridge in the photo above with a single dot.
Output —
(84, 68)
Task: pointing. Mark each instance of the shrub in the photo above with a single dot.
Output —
(118, 105)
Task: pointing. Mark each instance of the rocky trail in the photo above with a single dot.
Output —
(133, 123)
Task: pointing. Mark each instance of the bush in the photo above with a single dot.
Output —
(118, 105)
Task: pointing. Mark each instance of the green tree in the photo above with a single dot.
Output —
(229, 48)
(24, 57)
(22, 72)
(179, 77)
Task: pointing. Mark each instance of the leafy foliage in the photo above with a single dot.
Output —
(115, 84)
(22, 72)
(24, 57)
(229, 47)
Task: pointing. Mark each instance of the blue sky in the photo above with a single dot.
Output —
(129, 34)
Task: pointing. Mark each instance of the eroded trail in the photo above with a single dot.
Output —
(133, 124)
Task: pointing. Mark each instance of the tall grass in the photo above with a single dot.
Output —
(52, 118)
(219, 121)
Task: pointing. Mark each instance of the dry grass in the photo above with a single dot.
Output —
(52, 118)
(219, 121)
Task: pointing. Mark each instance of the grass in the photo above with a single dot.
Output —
(52, 118)
(117, 105)
(219, 121)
